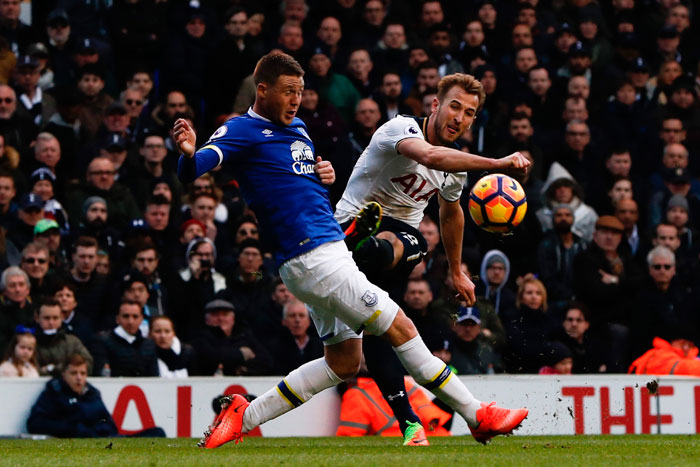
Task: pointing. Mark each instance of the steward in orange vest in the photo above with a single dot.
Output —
(676, 358)
(364, 412)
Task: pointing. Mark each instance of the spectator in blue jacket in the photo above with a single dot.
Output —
(70, 407)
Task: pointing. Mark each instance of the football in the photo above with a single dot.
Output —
(497, 203)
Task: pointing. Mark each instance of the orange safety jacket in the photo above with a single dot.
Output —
(664, 359)
(363, 411)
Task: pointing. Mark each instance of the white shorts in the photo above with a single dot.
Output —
(341, 301)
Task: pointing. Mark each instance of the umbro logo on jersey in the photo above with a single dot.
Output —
(267, 133)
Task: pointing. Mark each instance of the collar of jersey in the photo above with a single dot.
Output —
(253, 114)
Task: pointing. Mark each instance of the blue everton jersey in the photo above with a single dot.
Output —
(274, 167)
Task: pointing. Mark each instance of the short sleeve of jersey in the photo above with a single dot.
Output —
(230, 141)
(398, 129)
(452, 188)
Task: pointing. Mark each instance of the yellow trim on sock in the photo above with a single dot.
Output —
(293, 391)
(437, 375)
(446, 380)
(283, 396)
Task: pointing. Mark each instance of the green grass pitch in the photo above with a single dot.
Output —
(663, 450)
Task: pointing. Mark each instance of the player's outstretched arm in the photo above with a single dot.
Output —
(452, 160)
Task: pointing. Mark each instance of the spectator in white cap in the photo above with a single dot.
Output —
(43, 183)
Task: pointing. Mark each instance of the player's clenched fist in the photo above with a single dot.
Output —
(185, 137)
(518, 161)
(325, 171)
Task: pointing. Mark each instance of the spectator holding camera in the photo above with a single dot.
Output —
(195, 286)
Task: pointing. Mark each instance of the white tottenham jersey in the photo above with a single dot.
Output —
(401, 185)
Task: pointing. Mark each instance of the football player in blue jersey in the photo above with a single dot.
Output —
(269, 152)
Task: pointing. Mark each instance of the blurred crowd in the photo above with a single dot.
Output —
(105, 254)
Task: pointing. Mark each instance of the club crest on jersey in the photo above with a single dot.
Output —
(303, 157)
(221, 131)
(370, 298)
(411, 130)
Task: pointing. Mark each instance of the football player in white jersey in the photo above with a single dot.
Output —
(407, 161)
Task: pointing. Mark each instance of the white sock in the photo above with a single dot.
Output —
(298, 387)
(433, 374)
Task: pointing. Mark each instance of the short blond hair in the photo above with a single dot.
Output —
(537, 283)
(467, 82)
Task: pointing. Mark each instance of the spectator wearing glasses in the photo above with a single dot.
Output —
(663, 302)
(133, 101)
(35, 262)
(100, 181)
(47, 232)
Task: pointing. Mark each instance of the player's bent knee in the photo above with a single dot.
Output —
(345, 358)
(345, 368)
(401, 330)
